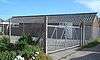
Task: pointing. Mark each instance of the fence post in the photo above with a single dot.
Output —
(81, 27)
(45, 37)
(10, 29)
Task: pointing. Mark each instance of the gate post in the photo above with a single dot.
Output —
(81, 32)
(46, 35)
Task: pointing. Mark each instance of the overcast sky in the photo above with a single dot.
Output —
(9, 8)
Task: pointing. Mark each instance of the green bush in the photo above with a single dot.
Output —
(25, 45)
(30, 49)
(7, 55)
(12, 47)
(26, 39)
(4, 41)
(4, 53)
(3, 47)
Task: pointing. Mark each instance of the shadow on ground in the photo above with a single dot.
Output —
(95, 55)
(93, 49)
(92, 56)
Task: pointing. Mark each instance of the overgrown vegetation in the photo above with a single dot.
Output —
(5, 54)
(92, 44)
(25, 45)
(4, 41)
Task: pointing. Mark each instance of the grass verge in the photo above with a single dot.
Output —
(92, 44)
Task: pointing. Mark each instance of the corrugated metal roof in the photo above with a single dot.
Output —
(27, 19)
(56, 14)
(75, 18)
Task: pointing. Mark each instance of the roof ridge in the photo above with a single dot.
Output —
(55, 14)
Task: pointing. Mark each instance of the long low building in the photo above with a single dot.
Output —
(57, 32)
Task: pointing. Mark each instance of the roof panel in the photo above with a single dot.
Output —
(75, 18)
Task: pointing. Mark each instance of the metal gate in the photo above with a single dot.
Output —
(63, 36)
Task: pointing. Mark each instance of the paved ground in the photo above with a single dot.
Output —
(56, 44)
(58, 55)
(85, 54)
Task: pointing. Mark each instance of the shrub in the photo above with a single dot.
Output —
(30, 49)
(3, 47)
(4, 53)
(24, 40)
(4, 39)
(25, 45)
(4, 43)
(12, 47)
(7, 55)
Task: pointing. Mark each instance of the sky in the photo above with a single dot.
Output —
(9, 8)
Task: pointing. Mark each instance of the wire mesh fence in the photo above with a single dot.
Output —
(63, 37)
(55, 32)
